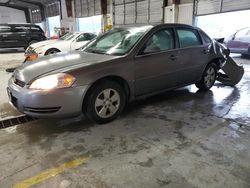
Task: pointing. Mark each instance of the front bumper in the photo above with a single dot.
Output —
(55, 103)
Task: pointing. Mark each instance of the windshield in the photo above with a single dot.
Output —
(117, 41)
(68, 36)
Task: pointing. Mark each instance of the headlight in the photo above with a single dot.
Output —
(60, 80)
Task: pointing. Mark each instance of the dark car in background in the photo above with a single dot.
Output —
(239, 42)
(20, 35)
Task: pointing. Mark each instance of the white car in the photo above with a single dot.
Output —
(68, 42)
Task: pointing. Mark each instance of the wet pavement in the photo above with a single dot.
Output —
(183, 138)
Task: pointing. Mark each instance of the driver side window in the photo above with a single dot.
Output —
(81, 38)
(160, 41)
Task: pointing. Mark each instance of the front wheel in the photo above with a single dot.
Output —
(208, 78)
(52, 51)
(105, 102)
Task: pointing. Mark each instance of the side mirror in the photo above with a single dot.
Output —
(220, 40)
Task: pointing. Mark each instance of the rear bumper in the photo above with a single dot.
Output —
(47, 104)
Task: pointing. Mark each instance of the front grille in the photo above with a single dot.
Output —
(19, 82)
(42, 110)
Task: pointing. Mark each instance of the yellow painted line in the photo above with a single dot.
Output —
(51, 172)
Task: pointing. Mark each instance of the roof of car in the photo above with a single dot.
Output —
(157, 25)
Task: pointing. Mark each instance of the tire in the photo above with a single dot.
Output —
(52, 51)
(208, 78)
(105, 102)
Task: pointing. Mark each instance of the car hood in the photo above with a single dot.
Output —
(47, 64)
(44, 43)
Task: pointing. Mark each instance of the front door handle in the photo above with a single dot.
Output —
(173, 57)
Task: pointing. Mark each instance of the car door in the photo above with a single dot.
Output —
(157, 63)
(240, 41)
(5, 31)
(244, 40)
(194, 55)
(80, 41)
(20, 35)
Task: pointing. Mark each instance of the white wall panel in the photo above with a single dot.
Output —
(142, 12)
(119, 14)
(130, 13)
(10, 15)
(185, 13)
(232, 5)
(208, 7)
(204, 7)
(156, 11)
(133, 12)
(87, 8)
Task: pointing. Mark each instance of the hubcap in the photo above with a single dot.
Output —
(52, 52)
(210, 77)
(107, 103)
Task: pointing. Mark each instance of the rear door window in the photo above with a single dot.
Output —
(248, 33)
(205, 37)
(20, 28)
(188, 37)
(241, 33)
(89, 36)
(35, 29)
(81, 38)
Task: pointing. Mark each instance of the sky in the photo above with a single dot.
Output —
(224, 24)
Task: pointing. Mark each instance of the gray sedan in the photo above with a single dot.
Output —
(119, 66)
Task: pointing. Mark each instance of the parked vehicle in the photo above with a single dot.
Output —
(20, 35)
(70, 41)
(117, 67)
(239, 42)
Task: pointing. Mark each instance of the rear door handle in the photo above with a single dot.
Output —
(205, 51)
(173, 57)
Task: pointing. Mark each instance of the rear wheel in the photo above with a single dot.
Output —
(208, 78)
(105, 102)
(52, 51)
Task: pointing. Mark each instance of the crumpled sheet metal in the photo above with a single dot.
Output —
(233, 73)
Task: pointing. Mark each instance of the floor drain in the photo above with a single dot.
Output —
(12, 121)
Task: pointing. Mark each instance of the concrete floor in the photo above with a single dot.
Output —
(182, 138)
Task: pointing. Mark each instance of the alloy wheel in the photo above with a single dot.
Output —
(210, 77)
(107, 103)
